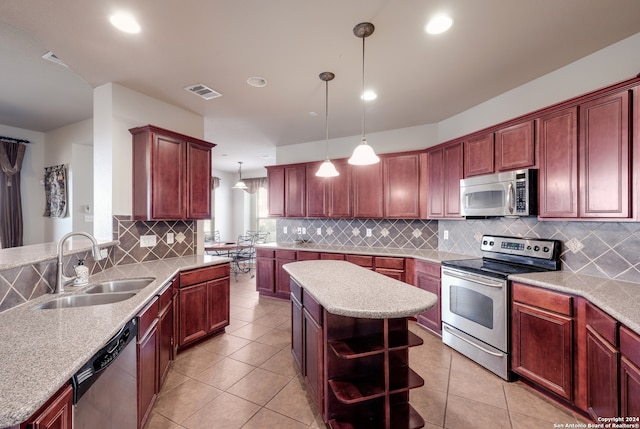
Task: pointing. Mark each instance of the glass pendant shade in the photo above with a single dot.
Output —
(327, 169)
(239, 184)
(363, 154)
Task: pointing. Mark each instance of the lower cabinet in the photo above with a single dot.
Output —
(390, 267)
(265, 271)
(203, 307)
(56, 413)
(282, 277)
(543, 338)
(427, 277)
(166, 323)
(629, 373)
(147, 360)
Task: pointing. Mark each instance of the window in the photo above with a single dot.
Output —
(264, 222)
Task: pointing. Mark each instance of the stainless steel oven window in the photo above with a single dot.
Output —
(471, 305)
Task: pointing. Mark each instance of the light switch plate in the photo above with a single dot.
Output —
(318, 231)
(284, 229)
(147, 240)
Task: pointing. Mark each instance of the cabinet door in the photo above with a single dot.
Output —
(604, 157)
(282, 277)
(198, 181)
(515, 147)
(265, 275)
(295, 191)
(340, 191)
(168, 178)
(58, 415)
(147, 373)
(275, 191)
(557, 137)
(401, 186)
(317, 190)
(430, 319)
(630, 389)
(602, 376)
(542, 347)
(367, 191)
(394, 274)
(218, 298)
(435, 183)
(313, 357)
(296, 333)
(478, 155)
(193, 323)
(165, 343)
(452, 174)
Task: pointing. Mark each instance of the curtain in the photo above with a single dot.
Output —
(215, 182)
(55, 189)
(11, 156)
(254, 184)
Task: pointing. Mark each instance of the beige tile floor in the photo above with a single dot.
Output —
(246, 378)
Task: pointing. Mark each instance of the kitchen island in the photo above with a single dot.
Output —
(350, 339)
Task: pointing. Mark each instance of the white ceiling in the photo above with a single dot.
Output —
(493, 46)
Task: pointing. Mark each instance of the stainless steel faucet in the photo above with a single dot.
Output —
(61, 279)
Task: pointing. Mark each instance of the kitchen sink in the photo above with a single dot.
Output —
(124, 285)
(85, 300)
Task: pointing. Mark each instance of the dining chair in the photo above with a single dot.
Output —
(243, 257)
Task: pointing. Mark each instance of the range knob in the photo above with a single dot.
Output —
(484, 242)
(491, 243)
(545, 249)
(536, 248)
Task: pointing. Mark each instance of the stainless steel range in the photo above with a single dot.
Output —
(476, 296)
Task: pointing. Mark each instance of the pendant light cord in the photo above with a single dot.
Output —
(326, 117)
(362, 95)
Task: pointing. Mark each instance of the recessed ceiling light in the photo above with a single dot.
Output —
(256, 81)
(124, 21)
(439, 24)
(368, 96)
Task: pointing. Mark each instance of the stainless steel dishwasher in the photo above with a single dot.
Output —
(104, 389)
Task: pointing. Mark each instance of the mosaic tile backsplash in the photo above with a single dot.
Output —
(602, 249)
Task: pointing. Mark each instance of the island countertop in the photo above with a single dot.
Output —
(348, 290)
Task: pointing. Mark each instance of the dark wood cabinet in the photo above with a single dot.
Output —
(276, 191)
(543, 338)
(604, 154)
(427, 277)
(332, 256)
(295, 186)
(265, 271)
(478, 155)
(165, 332)
(390, 267)
(603, 364)
(203, 307)
(444, 171)
(368, 197)
(297, 323)
(56, 413)
(147, 360)
(282, 277)
(317, 192)
(629, 373)
(402, 176)
(313, 361)
(171, 175)
(515, 147)
(329, 197)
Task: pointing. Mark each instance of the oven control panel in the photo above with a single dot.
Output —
(529, 247)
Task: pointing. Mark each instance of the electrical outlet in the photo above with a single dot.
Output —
(170, 238)
(318, 231)
(369, 232)
(147, 240)
(446, 234)
(304, 230)
(284, 229)
(299, 230)
(104, 253)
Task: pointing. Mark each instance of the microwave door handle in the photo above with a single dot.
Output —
(511, 196)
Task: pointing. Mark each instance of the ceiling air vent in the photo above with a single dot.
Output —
(203, 91)
(50, 56)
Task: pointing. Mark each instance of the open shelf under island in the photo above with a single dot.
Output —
(350, 339)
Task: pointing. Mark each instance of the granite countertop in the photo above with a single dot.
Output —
(617, 298)
(345, 289)
(42, 349)
(422, 254)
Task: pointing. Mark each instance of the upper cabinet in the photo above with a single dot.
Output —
(287, 190)
(514, 147)
(171, 175)
(478, 155)
(444, 171)
(368, 200)
(586, 154)
(403, 196)
(329, 197)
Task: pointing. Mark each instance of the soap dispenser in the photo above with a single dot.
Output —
(82, 273)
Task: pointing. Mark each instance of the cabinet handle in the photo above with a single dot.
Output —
(446, 328)
(474, 279)
(510, 197)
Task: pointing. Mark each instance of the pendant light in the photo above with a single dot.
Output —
(327, 169)
(240, 184)
(363, 154)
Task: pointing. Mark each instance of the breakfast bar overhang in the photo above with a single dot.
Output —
(351, 339)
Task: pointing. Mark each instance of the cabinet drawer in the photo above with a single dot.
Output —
(147, 316)
(164, 297)
(312, 307)
(286, 254)
(428, 268)
(308, 256)
(332, 256)
(543, 298)
(630, 345)
(200, 275)
(391, 263)
(602, 323)
(296, 290)
(362, 260)
(264, 253)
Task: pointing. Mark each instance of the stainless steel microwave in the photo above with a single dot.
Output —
(512, 193)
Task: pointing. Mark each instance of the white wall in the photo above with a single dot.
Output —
(116, 110)
(82, 177)
(223, 212)
(32, 190)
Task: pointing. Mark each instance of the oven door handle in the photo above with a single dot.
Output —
(497, 285)
(446, 328)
